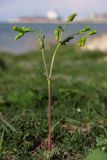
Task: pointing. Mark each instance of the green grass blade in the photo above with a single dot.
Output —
(1, 140)
(8, 124)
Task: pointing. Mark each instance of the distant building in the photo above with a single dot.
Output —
(53, 15)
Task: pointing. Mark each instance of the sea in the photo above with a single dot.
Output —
(30, 42)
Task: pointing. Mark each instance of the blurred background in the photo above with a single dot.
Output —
(46, 15)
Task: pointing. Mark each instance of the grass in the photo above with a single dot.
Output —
(79, 105)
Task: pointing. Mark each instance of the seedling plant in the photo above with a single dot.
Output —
(48, 71)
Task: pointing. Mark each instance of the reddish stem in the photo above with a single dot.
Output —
(49, 116)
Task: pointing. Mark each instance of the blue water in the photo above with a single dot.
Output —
(29, 41)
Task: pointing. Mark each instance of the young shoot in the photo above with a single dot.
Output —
(58, 33)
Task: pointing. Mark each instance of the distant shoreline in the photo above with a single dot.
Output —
(47, 21)
(7, 42)
(62, 22)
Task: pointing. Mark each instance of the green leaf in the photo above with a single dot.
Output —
(92, 32)
(15, 28)
(101, 141)
(87, 28)
(43, 43)
(60, 28)
(1, 140)
(57, 33)
(42, 39)
(23, 29)
(82, 41)
(97, 155)
(19, 36)
(67, 39)
(7, 124)
(71, 17)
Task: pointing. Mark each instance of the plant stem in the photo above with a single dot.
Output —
(44, 61)
(50, 98)
(49, 115)
(49, 77)
(50, 101)
(53, 58)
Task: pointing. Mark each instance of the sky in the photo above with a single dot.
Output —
(16, 8)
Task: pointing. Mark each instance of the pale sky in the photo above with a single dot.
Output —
(17, 8)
